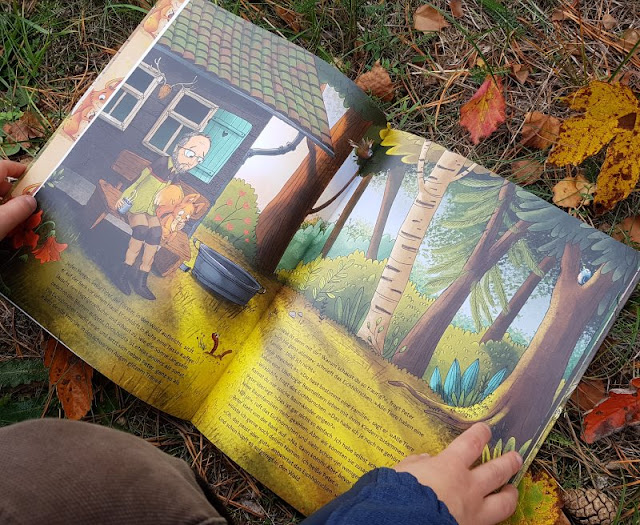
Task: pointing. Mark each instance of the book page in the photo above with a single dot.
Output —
(170, 194)
(448, 296)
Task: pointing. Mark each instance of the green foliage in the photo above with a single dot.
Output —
(16, 410)
(503, 354)
(409, 311)
(498, 449)
(16, 372)
(341, 288)
(234, 216)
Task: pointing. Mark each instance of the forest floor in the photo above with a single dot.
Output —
(50, 52)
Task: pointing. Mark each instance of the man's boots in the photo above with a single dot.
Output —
(123, 277)
(140, 285)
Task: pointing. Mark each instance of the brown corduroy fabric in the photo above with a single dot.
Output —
(65, 472)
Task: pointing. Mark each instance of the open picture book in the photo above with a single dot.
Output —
(229, 229)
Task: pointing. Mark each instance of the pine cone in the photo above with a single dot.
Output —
(590, 506)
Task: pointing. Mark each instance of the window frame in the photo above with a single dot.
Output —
(141, 97)
(181, 119)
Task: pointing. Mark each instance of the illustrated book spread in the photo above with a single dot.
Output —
(229, 229)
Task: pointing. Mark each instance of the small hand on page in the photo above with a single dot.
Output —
(18, 209)
(469, 492)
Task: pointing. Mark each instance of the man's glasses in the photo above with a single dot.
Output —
(190, 154)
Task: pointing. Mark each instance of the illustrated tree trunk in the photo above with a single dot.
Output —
(395, 275)
(281, 218)
(346, 212)
(528, 393)
(499, 327)
(420, 343)
(394, 181)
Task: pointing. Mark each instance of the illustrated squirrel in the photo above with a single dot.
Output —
(84, 113)
(175, 209)
(162, 12)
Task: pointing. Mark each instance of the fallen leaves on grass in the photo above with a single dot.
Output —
(615, 412)
(539, 130)
(456, 8)
(485, 111)
(588, 394)
(24, 129)
(527, 171)
(520, 72)
(630, 38)
(572, 192)
(539, 501)
(610, 115)
(377, 82)
(290, 17)
(427, 18)
(628, 230)
(71, 377)
(559, 15)
(609, 22)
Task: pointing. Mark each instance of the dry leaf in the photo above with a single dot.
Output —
(71, 377)
(485, 111)
(539, 130)
(630, 38)
(609, 22)
(427, 18)
(558, 15)
(290, 17)
(377, 82)
(456, 8)
(610, 115)
(628, 230)
(588, 394)
(527, 171)
(521, 72)
(23, 130)
(539, 501)
(572, 192)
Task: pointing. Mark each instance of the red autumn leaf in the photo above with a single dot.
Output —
(485, 111)
(23, 234)
(615, 412)
(50, 251)
(71, 378)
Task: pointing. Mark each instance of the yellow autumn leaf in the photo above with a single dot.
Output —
(611, 116)
(538, 501)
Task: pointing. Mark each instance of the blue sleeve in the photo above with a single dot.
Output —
(384, 497)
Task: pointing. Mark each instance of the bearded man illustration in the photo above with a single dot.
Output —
(146, 235)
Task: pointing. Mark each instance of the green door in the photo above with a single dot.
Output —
(227, 131)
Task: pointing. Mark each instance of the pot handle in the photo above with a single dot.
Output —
(197, 241)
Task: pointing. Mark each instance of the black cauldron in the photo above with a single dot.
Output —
(224, 277)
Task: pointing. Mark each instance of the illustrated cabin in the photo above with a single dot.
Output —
(210, 72)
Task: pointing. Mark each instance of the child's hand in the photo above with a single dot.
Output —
(469, 492)
(17, 210)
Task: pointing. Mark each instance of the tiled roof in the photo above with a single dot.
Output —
(254, 62)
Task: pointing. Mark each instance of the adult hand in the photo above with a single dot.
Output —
(467, 491)
(18, 209)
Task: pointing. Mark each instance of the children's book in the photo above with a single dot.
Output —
(229, 230)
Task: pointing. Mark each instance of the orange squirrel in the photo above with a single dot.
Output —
(84, 113)
(162, 12)
(175, 209)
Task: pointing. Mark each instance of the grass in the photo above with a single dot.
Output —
(51, 52)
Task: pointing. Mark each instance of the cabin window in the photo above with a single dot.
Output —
(127, 101)
(188, 112)
(227, 131)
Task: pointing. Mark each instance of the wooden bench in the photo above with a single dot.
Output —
(129, 166)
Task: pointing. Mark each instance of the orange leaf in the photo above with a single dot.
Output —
(71, 377)
(526, 171)
(572, 192)
(617, 411)
(588, 393)
(427, 18)
(521, 72)
(23, 130)
(485, 111)
(456, 8)
(628, 230)
(377, 82)
(539, 130)
(290, 17)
